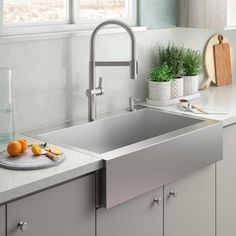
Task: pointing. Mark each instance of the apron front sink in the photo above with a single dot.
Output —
(144, 150)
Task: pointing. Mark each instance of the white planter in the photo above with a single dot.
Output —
(190, 85)
(177, 88)
(159, 90)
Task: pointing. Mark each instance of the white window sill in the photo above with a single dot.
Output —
(230, 27)
(70, 32)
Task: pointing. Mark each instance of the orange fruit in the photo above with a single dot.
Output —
(36, 149)
(55, 150)
(24, 144)
(14, 148)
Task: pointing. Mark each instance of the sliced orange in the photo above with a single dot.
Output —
(36, 149)
(55, 150)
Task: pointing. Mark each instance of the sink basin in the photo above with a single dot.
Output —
(119, 131)
(143, 150)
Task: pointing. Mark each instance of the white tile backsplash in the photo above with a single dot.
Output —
(51, 76)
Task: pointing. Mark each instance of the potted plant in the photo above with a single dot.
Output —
(159, 82)
(173, 57)
(192, 67)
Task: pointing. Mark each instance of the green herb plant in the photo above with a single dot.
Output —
(161, 73)
(42, 145)
(172, 55)
(192, 62)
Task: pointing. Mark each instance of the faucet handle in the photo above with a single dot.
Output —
(100, 82)
(97, 91)
(100, 88)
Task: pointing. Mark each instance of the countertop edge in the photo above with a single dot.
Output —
(49, 182)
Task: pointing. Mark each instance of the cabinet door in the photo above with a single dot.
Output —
(137, 217)
(226, 186)
(68, 209)
(2, 221)
(191, 210)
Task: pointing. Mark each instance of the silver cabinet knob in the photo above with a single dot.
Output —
(173, 194)
(23, 226)
(157, 201)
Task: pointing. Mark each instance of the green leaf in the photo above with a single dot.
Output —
(192, 62)
(42, 145)
(172, 56)
(161, 73)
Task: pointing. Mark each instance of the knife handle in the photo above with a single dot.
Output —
(51, 156)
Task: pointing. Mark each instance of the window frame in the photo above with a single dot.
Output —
(71, 24)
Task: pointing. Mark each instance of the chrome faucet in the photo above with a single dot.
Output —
(95, 91)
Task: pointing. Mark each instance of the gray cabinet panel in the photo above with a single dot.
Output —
(138, 217)
(68, 209)
(192, 212)
(226, 186)
(2, 221)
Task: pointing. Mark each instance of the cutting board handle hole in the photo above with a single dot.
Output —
(220, 38)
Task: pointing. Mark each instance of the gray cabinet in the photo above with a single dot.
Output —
(226, 186)
(68, 209)
(138, 217)
(2, 221)
(190, 205)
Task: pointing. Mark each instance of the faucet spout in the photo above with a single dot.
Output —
(94, 91)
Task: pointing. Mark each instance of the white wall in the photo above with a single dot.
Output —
(51, 76)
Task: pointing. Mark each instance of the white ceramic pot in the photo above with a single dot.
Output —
(177, 87)
(159, 90)
(191, 85)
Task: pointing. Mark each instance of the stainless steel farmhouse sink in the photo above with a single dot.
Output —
(143, 150)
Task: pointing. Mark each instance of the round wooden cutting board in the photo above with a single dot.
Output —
(209, 64)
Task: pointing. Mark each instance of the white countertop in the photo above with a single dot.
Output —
(15, 184)
(223, 98)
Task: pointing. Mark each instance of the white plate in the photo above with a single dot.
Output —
(27, 161)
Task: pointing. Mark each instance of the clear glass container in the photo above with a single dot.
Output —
(7, 131)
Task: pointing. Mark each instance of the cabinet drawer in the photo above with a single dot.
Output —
(2, 221)
(68, 209)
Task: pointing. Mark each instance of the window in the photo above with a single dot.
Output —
(93, 11)
(20, 12)
(102, 9)
(63, 14)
